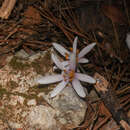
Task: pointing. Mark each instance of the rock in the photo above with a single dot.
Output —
(42, 117)
(14, 125)
(27, 105)
(70, 108)
(16, 99)
(31, 102)
(22, 54)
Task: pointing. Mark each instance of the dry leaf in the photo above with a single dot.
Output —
(101, 84)
(32, 16)
(114, 13)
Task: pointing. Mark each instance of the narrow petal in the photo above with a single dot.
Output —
(57, 61)
(83, 60)
(78, 88)
(85, 78)
(65, 63)
(75, 45)
(78, 71)
(50, 79)
(72, 61)
(61, 49)
(85, 50)
(58, 88)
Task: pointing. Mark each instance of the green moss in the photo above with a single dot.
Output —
(42, 88)
(36, 66)
(0, 86)
(2, 92)
(12, 84)
(27, 96)
(42, 64)
(17, 65)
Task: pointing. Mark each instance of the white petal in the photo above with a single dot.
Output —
(61, 49)
(85, 50)
(128, 40)
(78, 88)
(57, 61)
(85, 78)
(65, 63)
(83, 60)
(50, 79)
(75, 45)
(72, 61)
(58, 88)
(78, 70)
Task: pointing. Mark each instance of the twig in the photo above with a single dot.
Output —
(7, 7)
(126, 10)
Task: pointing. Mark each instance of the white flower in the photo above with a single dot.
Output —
(68, 75)
(80, 56)
(128, 40)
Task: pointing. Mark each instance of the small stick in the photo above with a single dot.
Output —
(7, 7)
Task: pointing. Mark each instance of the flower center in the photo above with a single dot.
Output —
(71, 75)
(68, 75)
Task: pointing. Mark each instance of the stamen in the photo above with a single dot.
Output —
(65, 71)
(71, 75)
(68, 75)
(77, 51)
(66, 56)
(71, 49)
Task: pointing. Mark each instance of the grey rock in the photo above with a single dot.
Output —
(70, 108)
(19, 90)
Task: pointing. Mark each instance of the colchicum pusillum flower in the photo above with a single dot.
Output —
(68, 74)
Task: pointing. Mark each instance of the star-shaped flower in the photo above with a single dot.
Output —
(68, 75)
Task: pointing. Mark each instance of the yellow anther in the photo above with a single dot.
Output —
(71, 75)
(64, 70)
(71, 49)
(66, 56)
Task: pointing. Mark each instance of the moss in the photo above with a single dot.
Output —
(17, 65)
(2, 92)
(36, 66)
(42, 88)
(0, 86)
(12, 84)
(27, 96)
(42, 64)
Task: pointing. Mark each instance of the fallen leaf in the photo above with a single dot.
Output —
(101, 84)
(114, 13)
(32, 16)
